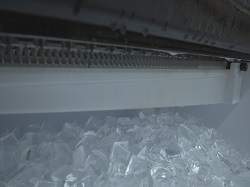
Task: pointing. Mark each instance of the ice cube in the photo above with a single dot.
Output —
(185, 144)
(35, 138)
(219, 168)
(108, 141)
(160, 172)
(150, 138)
(120, 152)
(44, 183)
(74, 179)
(103, 131)
(69, 134)
(89, 141)
(97, 161)
(34, 170)
(119, 157)
(205, 143)
(111, 121)
(55, 154)
(102, 181)
(132, 136)
(8, 163)
(184, 131)
(27, 184)
(60, 173)
(235, 161)
(201, 171)
(30, 153)
(171, 147)
(178, 167)
(137, 166)
(217, 181)
(165, 119)
(10, 143)
(177, 118)
(241, 180)
(129, 180)
(50, 126)
(179, 183)
(141, 115)
(35, 128)
(3, 184)
(79, 157)
(147, 181)
(196, 154)
(93, 124)
(124, 123)
(149, 157)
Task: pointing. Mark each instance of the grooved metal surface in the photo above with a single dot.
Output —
(34, 51)
(218, 24)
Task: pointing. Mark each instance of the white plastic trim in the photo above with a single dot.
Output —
(234, 84)
(35, 90)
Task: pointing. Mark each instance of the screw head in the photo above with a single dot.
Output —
(243, 66)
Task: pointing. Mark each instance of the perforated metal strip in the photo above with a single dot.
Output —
(17, 50)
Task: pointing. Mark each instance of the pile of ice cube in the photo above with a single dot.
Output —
(158, 150)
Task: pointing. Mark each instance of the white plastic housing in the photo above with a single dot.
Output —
(39, 90)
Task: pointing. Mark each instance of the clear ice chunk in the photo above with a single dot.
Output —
(31, 171)
(3, 184)
(111, 121)
(178, 167)
(219, 168)
(165, 119)
(196, 154)
(119, 158)
(161, 172)
(241, 180)
(54, 155)
(74, 179)
(103, 131)
(146, 155)
(217, 181)
(171, 147)
(124, 123)
(79, 157)
(30, 153)
(107, 142)
(202, 171)
(141, 115)
(137, 166)
(147, 151)
(89, 141)
(184, 131)
(69, 134)
(185, 144)
(93, 124)
(8, 163)
(129, 180)
(132, 136)
(120, 152)
(44, 183)
(10, 143)
(97, 161)
(234, 160)
(60, 173)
